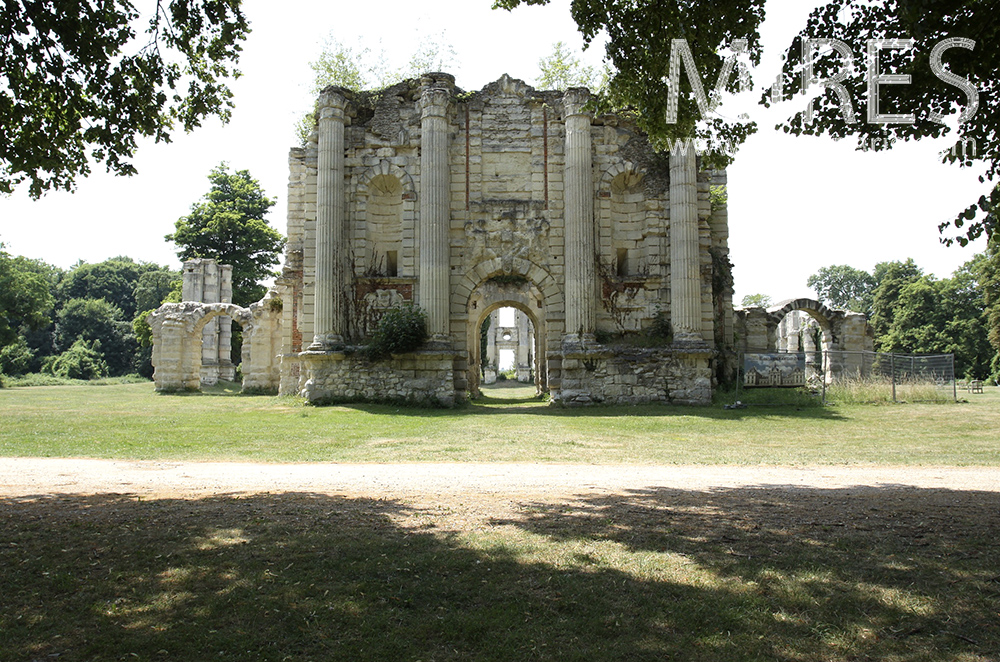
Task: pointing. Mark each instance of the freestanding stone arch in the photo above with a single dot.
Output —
(177, 343)
(845, 334)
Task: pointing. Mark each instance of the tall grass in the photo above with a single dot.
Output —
(879, 390)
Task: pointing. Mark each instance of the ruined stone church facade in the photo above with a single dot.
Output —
(463, 203)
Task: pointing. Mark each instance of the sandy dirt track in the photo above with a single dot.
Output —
(34, 476)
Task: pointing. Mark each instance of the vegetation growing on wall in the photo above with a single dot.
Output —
(401, 329)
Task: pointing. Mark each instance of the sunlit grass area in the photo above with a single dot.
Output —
(131, 421)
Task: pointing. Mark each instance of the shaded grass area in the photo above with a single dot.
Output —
(810, 575)
(132, 422)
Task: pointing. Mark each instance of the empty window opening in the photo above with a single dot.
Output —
(622, 262)
(391, 270)
(506, 360)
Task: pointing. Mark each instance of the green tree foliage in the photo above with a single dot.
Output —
(83, 360)
(25, 299)
(640, 34)
(16, 358)
(928, 22)
(118, 281)
(362, 69)
(756, 301)
(639, 43)
(97, 320)
(891, 278)
(78, 84)
(988, 272)
(562, 70)
(400, 330)
(915, 313)
(229, 226)
(153, 287)
(844, 287)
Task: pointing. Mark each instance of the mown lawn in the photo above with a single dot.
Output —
(892, 572)
(132, 422)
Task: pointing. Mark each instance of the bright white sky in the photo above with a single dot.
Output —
(795, 204)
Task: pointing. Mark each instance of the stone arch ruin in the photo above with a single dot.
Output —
(191, 339)
(843, 335)
(463, 202)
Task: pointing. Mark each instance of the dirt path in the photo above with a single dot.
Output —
(36, 476)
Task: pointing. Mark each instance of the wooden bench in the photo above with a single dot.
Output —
(975, 386)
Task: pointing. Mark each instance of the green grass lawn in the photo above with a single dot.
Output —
(132, 422)
(724, 575)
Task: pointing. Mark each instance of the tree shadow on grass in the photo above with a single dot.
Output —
(649, 575)
(496, 406)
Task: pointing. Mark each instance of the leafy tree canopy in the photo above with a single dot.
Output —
(640, 50)
(153, 287)
(96, 320)
(891, 278)
(25, 300)
(115, 280)
(229, 226)
(844, 287)
(756, 301)
(933, 316)
(640, 39)
(362, 69)
(78, 84)
(988, 272)
(958, 99)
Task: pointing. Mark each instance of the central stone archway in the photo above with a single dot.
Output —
(506, 292)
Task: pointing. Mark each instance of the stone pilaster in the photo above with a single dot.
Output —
(330, 316)
(227, 371)
(685, 256)
(435, 204)
(581, 284)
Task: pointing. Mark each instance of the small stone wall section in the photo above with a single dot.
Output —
(425, 378)
(629, 376)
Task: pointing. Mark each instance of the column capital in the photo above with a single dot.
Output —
(332, 104)
(574, 100)
(436, 90)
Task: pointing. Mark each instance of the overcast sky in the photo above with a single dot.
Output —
(795, 204)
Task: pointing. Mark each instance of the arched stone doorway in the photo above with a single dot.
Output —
(494, 294)
(804, 326)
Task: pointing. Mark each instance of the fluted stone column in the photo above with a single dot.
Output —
(685, 254)
(578, 192)
(436, 90)
(330, 312)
